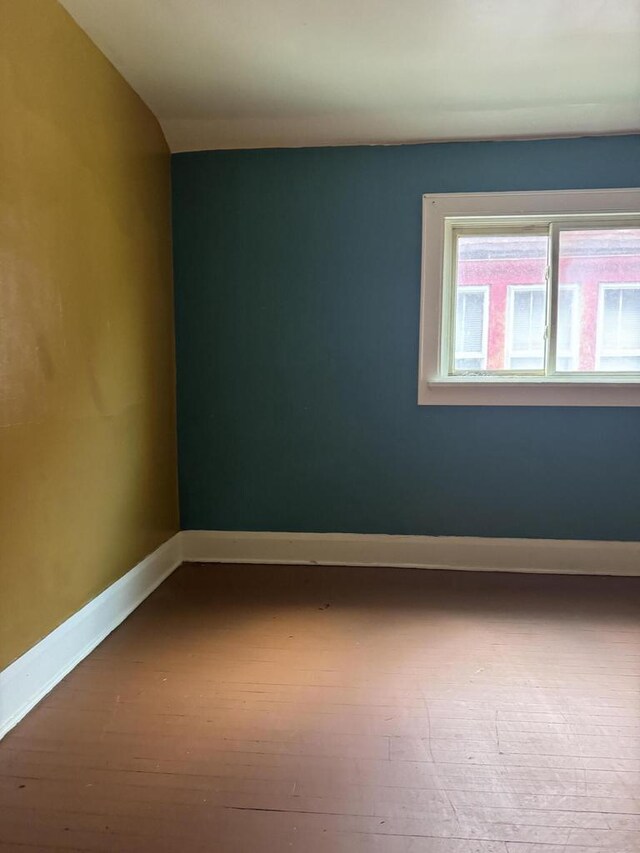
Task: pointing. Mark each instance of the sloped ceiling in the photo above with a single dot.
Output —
(262, 73)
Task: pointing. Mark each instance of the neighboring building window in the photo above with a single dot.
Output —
(527, 324)
(619, 327)
(526, 329)
(531, 298)
(471, 328)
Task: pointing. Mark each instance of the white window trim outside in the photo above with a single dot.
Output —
(512, 289)
(482, 355)
(600, 350)
(566, 389)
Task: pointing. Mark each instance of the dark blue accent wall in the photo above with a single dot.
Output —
(297, 277)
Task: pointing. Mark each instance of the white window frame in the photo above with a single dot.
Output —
(600, 350)
(442, 213)
(512, 289)
(482, 355)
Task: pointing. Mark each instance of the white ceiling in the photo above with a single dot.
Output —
(263, 73)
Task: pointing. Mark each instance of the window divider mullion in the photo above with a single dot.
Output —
(553, 275)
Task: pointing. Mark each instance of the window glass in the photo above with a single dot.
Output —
(491, 264)
(567, 339)
(528, 320)
(470, 329)
(603, 267)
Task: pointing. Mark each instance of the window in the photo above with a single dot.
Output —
(531, 299)
(568, 352)
(527, 321)
(471, 328)
(619, 327)
(526, 328)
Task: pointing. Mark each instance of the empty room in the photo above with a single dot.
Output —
(320, 426)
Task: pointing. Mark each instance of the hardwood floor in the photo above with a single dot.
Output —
(270, 708)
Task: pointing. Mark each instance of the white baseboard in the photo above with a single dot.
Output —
(26, 681)
(470, 553)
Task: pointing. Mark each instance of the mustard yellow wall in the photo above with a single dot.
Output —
(87, 421)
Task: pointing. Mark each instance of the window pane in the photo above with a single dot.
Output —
(628, 363)
(470, 321)
(526, 328)
(620, 318)
(489, 326)
(567, 347)
(602, 326)
(528, 319)
(468, 363)
(565, 320)
(524, 363)
(565, 363)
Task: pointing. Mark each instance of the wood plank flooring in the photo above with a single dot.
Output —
(343, 710)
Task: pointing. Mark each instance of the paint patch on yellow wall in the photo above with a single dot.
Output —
(87, 400)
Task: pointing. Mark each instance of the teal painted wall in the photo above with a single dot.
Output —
(297, 277)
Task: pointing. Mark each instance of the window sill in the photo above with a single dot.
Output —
(528, 391)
